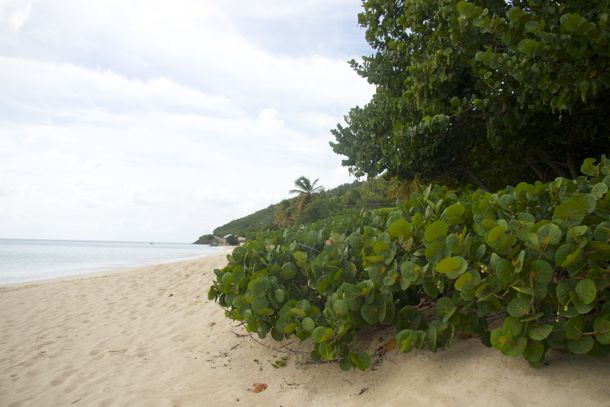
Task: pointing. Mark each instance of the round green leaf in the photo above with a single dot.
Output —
(436, 230)
(602, 330)
(468, 10)
(534, 351)
(515, 14)
(445, 308)
(518, 307)
(298, 312)
(540, 332)
(380, 247)
(589, 168)
(435, 249)
(340, 307)
(321, 334)
(580, 306)
(549, 234)
(288, 329)
(569, 212)
(602, 232)
(504, 341)
(345, 364)
(308, 324)
(512, 325)
(463, 280)
(574, 328)
(599, 190)
(360, 360)
(454, 213)
(409, 273)
(258, 304)
(304, 305)
(504, 271)
(399, 228)
(289, 271)
(566, 255)
(582, 345)
(571, 21)
(495, 234)
(408, 339)
(454, 265)
(370, 313)
(529, 46)
(542, 270)
(564, 288)
(586, 291)
(573, 210)
(280, 295)
(259, 286)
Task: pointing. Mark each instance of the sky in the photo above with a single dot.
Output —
(154, 120)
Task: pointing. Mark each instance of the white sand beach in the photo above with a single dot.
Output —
(150, 337)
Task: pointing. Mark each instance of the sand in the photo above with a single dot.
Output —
(150, 337)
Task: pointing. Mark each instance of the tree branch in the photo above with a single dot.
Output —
(533, 166)
(571, 166)
(545, 157)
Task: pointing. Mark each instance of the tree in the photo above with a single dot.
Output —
(485, 92)
(306, 191)
(283, 214)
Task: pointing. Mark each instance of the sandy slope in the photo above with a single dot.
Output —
(149, 337)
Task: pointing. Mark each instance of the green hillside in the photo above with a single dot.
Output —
(352, 196)
(248, 225)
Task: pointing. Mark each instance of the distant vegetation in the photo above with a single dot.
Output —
(319, 204)
(206, 239)
(248, 225)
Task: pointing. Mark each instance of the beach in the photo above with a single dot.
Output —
(149, 336)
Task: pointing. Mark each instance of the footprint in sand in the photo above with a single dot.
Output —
(62, 378)
(71, 387)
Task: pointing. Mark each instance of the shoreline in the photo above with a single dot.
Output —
(149, 337)
(114, 269)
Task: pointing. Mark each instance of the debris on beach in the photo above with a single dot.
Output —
(258, 387)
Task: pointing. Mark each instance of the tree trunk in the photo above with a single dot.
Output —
(571, 166)
(476, 180)
(533, 166)
(545, 157)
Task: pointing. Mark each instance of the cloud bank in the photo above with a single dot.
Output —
(133, 120)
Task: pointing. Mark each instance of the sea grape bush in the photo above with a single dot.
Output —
(525, 269)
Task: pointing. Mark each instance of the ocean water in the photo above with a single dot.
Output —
(31, 260)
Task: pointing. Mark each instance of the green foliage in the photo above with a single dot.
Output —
(354, 196)
(483, 92)
(307, 193)
(438, 264)
(231, 240)
(206, 239)
(249, 225)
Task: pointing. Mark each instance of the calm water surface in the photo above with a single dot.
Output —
(29, 260)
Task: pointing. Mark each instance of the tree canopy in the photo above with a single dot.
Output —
(306, 191)
(484, 92)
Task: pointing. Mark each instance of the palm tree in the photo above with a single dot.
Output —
(305, 186)
(307, 190)
(283, 214)
(401, 190)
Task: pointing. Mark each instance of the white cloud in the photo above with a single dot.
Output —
(14, 14)
(158, 120)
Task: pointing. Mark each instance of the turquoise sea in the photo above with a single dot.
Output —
(24, 260)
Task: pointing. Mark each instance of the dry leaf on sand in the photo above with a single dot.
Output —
(258, 387)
